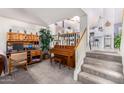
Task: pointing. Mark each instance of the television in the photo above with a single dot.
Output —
(18, 47)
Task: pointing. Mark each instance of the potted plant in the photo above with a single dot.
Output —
(45, 40)
(117, 41)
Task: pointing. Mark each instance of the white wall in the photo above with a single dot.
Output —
(94, 13)
(122, 45)
(52, 28)
(6, 24)
(83, 22)
(82, 47)
(108, 14)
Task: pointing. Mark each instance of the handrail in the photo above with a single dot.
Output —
(81, 38)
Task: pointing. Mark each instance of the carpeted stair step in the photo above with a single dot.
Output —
(115, 66)
(87, 78)
(105, 56)
(106, 51)
(103, 73)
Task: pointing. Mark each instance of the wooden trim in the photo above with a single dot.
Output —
(1, 65)
(123, 11)
(122, 15)
(81, 37)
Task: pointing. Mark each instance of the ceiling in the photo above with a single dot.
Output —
(47, 16)
(41, 16)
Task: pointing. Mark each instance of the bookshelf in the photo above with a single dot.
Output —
(24, 40)
(21, 42)
(70, 39)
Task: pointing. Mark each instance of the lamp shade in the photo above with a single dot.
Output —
(107, 24)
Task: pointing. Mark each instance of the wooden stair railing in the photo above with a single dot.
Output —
(81, 38)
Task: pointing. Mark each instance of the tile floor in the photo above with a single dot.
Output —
(42, 73)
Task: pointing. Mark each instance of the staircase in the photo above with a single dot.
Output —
(102, 67)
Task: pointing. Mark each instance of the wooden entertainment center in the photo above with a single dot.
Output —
(21, 42)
